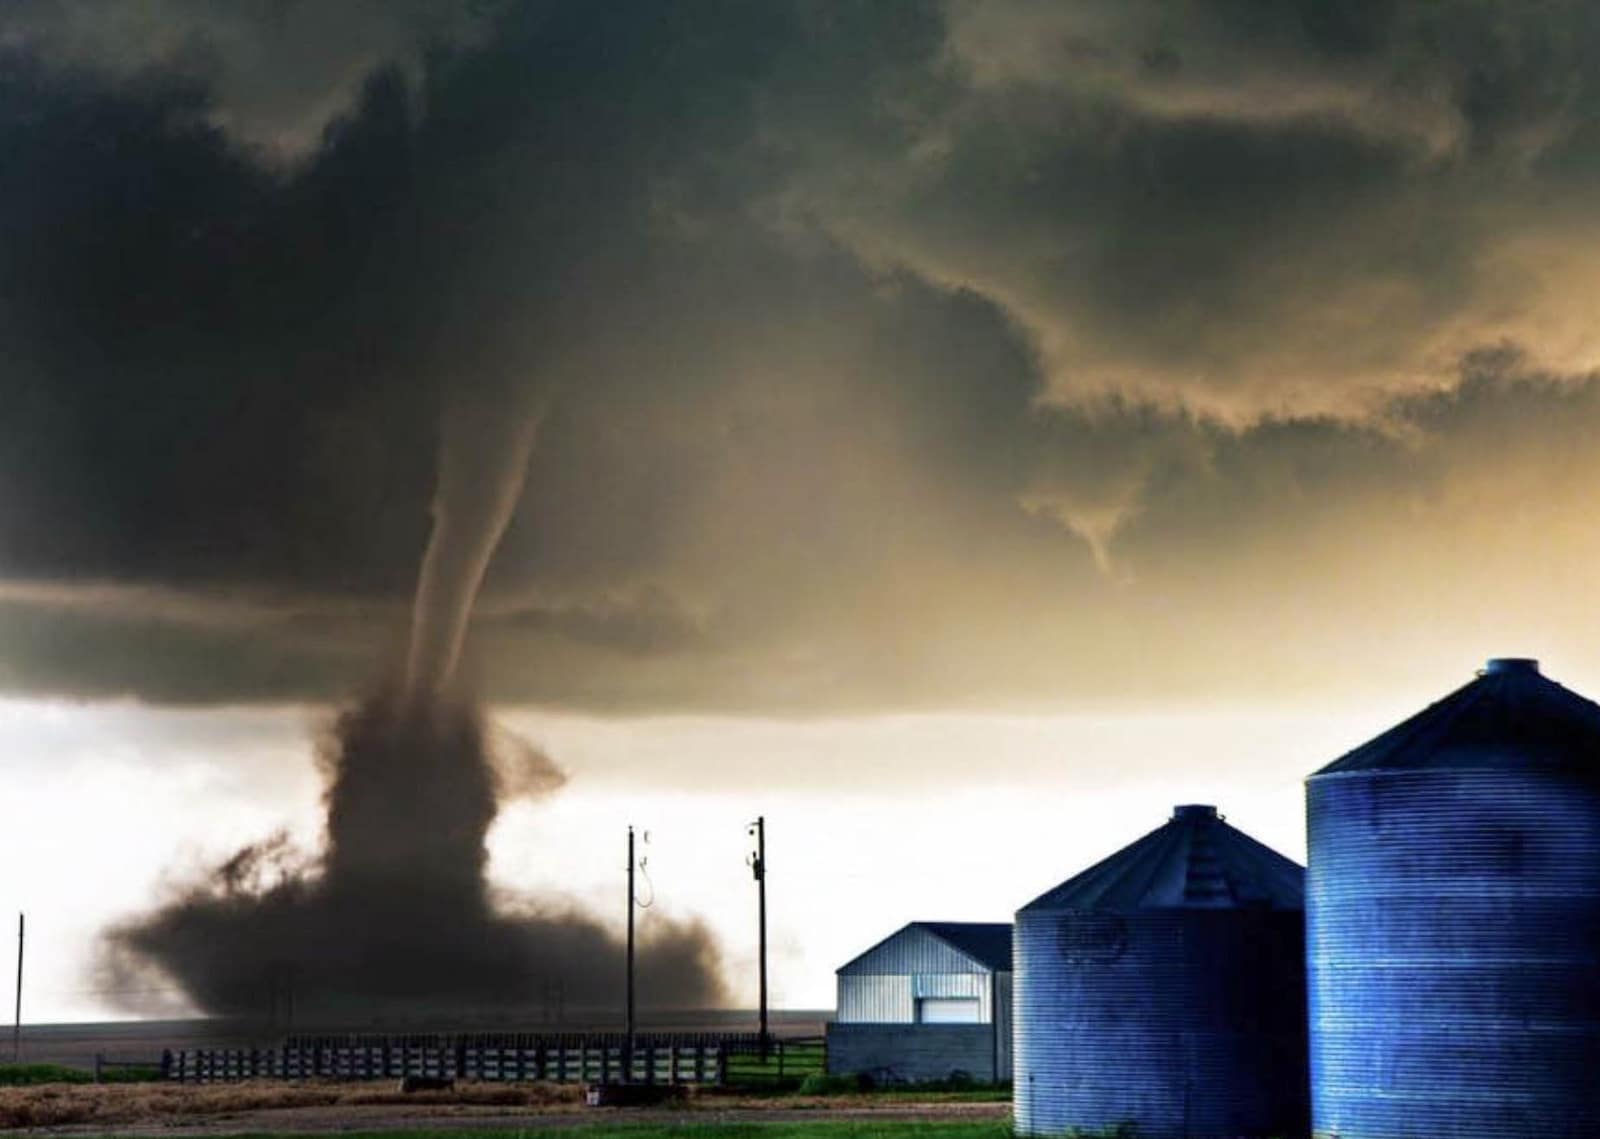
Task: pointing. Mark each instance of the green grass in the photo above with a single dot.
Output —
(811, 1129)
(934, 1091)
(917, 1093)
(28, 1075)
(787, 1065)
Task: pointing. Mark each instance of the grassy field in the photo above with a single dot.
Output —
(810, 1129)
(787, 1064)
(64, 1104)
(108, 1107)
(32, 1075)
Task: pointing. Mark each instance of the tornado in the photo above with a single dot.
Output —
(394, 915)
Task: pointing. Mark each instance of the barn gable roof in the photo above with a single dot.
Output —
(938, 947)
(988, 943)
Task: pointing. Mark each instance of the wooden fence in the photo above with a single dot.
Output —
(668, 1058)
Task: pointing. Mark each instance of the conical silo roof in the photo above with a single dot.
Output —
(1510, 715)
(1195, 861)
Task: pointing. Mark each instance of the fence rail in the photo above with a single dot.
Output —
(785, 1061)
(675, 1058)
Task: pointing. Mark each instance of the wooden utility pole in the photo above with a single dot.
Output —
(16, 1027)
(759, 866)
(627, 1050)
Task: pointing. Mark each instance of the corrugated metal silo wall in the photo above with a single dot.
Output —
(1186, 1023)
(1453, 923)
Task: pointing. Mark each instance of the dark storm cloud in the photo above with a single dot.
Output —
(1242, 208)
(278, 69)
(885, 354)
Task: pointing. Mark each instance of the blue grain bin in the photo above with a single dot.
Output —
(1165, 987)
(1453, 920)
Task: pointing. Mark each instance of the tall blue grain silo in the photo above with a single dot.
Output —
(1453, 920)
(1165, 988)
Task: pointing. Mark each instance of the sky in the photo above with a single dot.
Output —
(959, 431)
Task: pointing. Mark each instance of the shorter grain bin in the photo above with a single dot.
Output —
(1165, 988)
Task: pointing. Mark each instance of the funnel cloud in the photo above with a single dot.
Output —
(481, 470)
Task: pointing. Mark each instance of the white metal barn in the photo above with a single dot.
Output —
(930, 1001)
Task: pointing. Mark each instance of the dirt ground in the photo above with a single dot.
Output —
(313, 1108)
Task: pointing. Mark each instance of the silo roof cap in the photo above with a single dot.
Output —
(1509, 716)
(1194, 861)
(1509, 664)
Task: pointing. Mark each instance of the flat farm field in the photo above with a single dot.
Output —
(485, 1110)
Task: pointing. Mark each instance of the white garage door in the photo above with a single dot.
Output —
(948, 1010)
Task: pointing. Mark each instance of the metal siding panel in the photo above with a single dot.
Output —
(911, 950)
(948, 984)
(1453, 922)
(875, 1000)
(1185, 1023)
